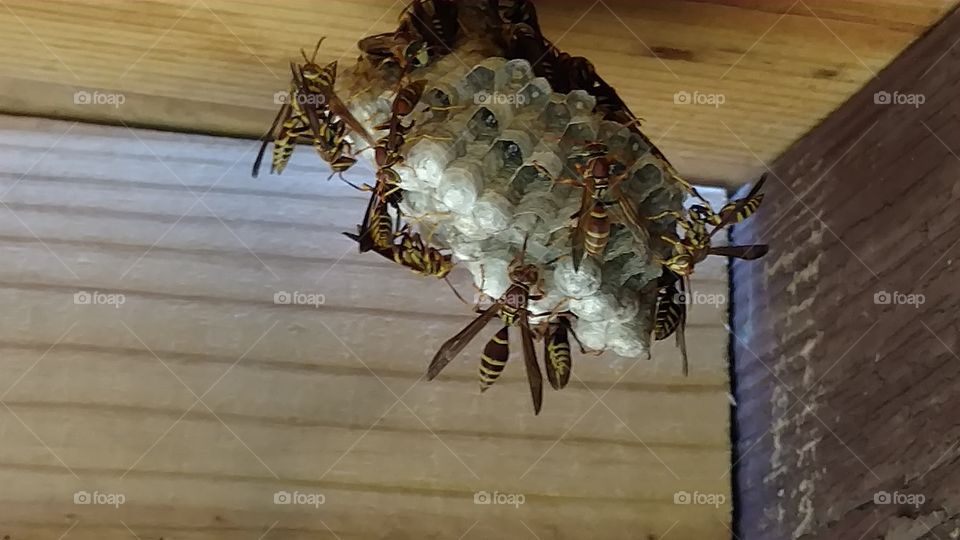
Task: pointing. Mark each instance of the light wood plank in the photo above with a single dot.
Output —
(297, 397)
(213, 65)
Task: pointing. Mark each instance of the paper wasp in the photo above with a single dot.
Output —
(288, 126)
(695, 246)
(423, 32)
(600, 193)
(387, 155)
(435, 21)
(512, 310)
(670, 312)
(312, 111)
(515, 12)
(388, 147)
(402, 49)
(320, 81)
(411, 251)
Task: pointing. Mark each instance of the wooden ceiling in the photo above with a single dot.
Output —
(211, 66)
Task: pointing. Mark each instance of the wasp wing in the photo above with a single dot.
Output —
(282, 115)
(681, 337)
(530, 360)
(625, 213)
(747, 252)
(455, 345)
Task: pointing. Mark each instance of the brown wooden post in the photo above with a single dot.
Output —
(848, 379)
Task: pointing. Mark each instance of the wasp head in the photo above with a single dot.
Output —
(701, 212)
(680, 264)
(416, 54)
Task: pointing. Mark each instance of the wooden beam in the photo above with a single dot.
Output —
(212, 66)
(846, 356)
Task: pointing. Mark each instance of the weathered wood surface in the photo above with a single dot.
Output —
(212, 66)
(843, 399)
(198, 398)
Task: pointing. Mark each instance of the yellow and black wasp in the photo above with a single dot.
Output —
(405, 248)
(695, 246)
(387, 155)
(435, 21)
(289, 125)
(601, 202)
(313, 112)
(319, 81)
(512, 309)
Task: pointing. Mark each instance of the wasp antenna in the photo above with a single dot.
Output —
(316, 49)
(454, 289)
(349, 183)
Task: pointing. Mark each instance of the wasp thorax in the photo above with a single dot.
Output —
(600, 168)
(524, 274)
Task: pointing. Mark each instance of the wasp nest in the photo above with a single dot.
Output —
(488, 139)
(491, 155)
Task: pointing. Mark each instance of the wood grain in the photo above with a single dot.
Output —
(212, 66)
(848, 402)
(328, 399)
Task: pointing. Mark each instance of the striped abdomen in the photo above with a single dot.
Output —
(670, 312)
(423, 259)
(285, 142)
(596, 230)
(729, 213)
(494, 358)
(557, 354)
(342, 163)
(382, 227)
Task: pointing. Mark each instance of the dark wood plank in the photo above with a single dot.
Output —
(841, 398)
